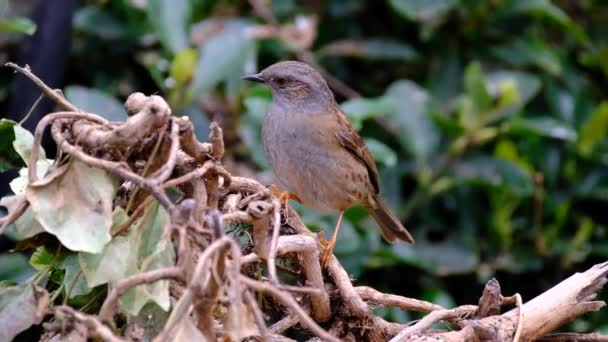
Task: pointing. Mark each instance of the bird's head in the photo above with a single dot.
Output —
(295, 83)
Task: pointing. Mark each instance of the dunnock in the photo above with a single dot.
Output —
(315, 152)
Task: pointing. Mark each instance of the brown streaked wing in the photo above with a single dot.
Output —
(352, 142)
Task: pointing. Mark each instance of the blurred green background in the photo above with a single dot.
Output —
(488, 120)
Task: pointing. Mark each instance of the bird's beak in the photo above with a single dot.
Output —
(254, 78)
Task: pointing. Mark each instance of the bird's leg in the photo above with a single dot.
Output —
(329, 245)
(283, 196)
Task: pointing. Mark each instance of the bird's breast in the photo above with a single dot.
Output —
(308, 162)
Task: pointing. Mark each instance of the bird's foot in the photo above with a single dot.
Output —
(328, 248)
(283, 196)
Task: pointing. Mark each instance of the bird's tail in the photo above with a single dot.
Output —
(391, 227)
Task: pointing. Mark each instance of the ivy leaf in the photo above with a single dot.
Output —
(74, 281)
(76, 207)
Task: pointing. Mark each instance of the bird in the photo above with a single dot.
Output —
(316, 154)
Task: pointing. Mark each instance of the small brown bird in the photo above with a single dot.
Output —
(315, 152)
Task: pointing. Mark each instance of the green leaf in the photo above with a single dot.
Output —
(221, 58)
(593, 130)
(171, 19)
(250, 130)
(443, 258)
(41, 258)
(360, 109)
(14, 266)
(21, 307)
(76, 207)
(9, 158)
(113, 263)
(410, 120)
(538, 7)
(495, 174)
(475, 87)
(95, 101)
(96, 21)
(348, 239)
(422, 10)
(372, 49)
(183, 66)
(439, 296)
(522, 52)
(18, 25)
(544, 126)
(140, 250)
(381, 153)
(74, 281)
(527, 86)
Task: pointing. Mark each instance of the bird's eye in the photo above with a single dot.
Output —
(280, 81)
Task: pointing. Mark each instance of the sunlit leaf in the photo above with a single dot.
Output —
(475, 86)
(95, 101)
(527, 86)
(41, 258)
(18, 25)
(593, 130)
(183, 66)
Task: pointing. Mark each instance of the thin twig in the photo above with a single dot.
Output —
(272, 253)
(15, 214)
(46, 120)
(257, 314)
(434, 317)
(520, 318)
(50, 93)
(376, 298)
(122, 286)
(90, 322)
(288, 301)
(31, 111)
